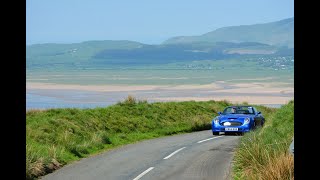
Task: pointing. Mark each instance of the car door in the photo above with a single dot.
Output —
(258, 118)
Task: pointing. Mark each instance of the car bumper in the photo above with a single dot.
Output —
(219, 128)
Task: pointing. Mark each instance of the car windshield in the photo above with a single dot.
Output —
(238, 110)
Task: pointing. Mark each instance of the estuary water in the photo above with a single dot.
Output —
(45, 99)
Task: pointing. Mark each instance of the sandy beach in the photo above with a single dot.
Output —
(252, 93)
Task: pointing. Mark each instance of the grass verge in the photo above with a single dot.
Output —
(263, 154)
(56, 137)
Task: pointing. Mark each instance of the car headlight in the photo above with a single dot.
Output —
(246, 120)
(216, 120)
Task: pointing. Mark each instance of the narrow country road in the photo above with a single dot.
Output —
(198, 155)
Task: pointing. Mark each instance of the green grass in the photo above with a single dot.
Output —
(263, 154)
(57, 137)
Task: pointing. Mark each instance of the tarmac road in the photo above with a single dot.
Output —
(198, 155)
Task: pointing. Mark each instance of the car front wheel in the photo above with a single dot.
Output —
(240, 133)
(215, 133)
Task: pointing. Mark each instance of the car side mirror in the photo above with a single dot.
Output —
(219, 113)
(259, 112)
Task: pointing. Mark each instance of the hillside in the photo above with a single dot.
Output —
(279, 33)
(71, 54)
(186, 52)
(245, 41)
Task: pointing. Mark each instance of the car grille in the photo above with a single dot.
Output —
(232, 124)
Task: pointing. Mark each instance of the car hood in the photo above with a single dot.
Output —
(232, 117)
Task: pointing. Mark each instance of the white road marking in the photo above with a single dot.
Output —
(144, 172)
(208, 139)
(174, 153)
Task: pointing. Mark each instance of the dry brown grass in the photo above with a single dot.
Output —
(265, 161)
(130, 100)
(201, 122)
(279, 168)
(34, 111)
(35, 169)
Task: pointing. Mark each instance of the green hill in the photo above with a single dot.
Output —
(245, 41)
(279, 33)
(43, 55)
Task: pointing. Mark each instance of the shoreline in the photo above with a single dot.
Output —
(252, 93)
(221, 86)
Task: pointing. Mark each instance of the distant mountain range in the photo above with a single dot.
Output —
(269, 39)
(279, 33)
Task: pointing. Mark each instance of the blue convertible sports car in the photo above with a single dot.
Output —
(237, 119)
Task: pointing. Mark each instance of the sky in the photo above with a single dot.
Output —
(144, 21)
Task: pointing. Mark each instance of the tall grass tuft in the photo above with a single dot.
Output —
(263, 154)
(279, 168)
(130, 100)
(201, 122)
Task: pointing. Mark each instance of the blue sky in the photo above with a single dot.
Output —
(145, 21)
